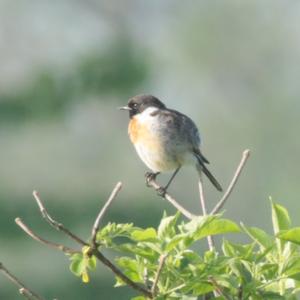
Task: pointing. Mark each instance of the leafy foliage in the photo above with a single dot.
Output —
(268, 267)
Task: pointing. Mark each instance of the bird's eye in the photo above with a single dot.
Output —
(135, 106)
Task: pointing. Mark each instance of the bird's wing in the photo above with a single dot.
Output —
(182, 126)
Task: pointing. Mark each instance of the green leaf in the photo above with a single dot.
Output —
(144, 234)
(271, 296)
(119, 282)
(280, 218)
(113, 230)
(175, 241)
(78, 264)
(153, 246)
(127, 263)
(166, 227)
(140, 249)
(281, 221)
(236, 250)
(241, 269)
(196, 224)
(259, 236)
(76, 256)
(216, 226)
(202, 288)
(292, 266)
(292, 235)
(130, 267)
(92, 262)
(138, 298)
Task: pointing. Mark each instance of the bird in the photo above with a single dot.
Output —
(164, 139)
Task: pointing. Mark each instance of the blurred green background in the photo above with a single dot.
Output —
(232, 66)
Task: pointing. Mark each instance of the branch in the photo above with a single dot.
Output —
(162, 260)
(25, 291)
(112, 196)
(168, 197)
(120, 274)
(93, 250)
(210, 240)
(58, 226)
(56, 246)
(233, 182)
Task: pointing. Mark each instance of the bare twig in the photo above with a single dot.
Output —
(25, 291)
(120, 274)
(162, 260)
(232, 184)
(58, 226)
(112, 196)
(168, 197)
(60, 247)
(210, 240)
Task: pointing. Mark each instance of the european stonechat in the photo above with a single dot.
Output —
(164, 139)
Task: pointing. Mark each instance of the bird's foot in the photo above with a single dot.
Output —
(161, 191)
(149, 177)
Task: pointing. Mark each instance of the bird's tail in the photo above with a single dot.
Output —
(201, 167)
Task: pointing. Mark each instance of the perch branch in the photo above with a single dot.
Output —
(162, 260)
(168, 197)
(112, 196)
(25, 291)
(233, 182)
(58, 226)
(56, 246)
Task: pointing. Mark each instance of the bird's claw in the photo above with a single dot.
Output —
(161, 191)
(149, 177)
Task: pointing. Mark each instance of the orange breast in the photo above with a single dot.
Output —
(136, 131)
(133, 130)
(150, 147)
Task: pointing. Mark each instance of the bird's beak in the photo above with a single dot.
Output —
(124, 108)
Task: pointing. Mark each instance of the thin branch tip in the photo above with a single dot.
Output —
(38, 200)
(237, 173)
(246, 152)
(103, 210)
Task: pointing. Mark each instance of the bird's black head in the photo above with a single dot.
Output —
(139, 103)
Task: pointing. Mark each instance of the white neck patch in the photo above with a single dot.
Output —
(147, 114)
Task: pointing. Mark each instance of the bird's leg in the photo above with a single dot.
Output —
(162, 190)
(150, 176)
